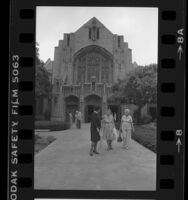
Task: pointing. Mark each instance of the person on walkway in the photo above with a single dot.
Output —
(115, 117)
(108, 128)
(79, 119)
(95, 130)
(126, 128)
(70, 119)
(76, 118)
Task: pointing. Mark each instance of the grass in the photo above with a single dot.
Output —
(146, 135)
(52, 125)
(42, 142)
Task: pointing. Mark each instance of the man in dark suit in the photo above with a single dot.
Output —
(95, 129)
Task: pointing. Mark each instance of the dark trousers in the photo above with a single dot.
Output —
(78, 123)
(93, 147)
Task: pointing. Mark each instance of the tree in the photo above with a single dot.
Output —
(42, 76)
(139, 87)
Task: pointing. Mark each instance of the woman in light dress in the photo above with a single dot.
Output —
(108, 128)
(126, 128)
(70, 119)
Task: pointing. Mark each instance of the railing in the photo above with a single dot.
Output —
(100, 89)
(108, 91)
(76, 90)
(87, 89)
(71, 90)
(56, 89)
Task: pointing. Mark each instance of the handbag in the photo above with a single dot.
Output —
(115, 132)
(119, 139)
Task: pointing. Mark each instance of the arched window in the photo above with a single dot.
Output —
(93, 61)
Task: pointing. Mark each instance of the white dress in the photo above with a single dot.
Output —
(126, 129)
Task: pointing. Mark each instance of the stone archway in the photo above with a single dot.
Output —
(115, 108)
(71, 105)
(90, 102)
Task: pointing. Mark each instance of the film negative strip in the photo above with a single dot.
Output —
(123, 61)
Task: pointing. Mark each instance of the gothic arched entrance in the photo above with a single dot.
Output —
(71, 105)
(90, 102)
(115, 108)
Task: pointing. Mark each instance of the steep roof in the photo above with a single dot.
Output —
(91, 22)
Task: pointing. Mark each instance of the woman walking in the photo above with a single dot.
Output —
(108, 128)
(126, 128)
(95, 129)
(70, 119)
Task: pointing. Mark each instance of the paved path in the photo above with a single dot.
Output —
(66, 164)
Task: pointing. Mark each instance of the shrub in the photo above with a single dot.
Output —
(39, 117)
(37, 137)
(52, 125)
(155, 121)
(50, 139)
(146, 119)
(146, 136)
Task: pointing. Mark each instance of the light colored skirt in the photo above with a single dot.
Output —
(126, 137)
(108, 133)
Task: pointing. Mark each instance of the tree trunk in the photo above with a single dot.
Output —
(138, 117)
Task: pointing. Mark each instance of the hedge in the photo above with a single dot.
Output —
(52, 125)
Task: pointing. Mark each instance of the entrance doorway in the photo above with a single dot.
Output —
(71, 109)
(90, 109)
(71, 106)
(115, 111)
(90, 102)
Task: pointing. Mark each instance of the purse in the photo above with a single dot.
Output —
(115, 132)
(119, 139)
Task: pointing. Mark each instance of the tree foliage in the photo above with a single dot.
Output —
(42, 76)
(139, 87)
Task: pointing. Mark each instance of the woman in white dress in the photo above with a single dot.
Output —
(108, 128)
(126, 128)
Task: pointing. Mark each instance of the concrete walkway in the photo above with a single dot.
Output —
(65, 164)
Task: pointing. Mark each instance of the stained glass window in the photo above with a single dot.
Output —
(105, 71)
(93, 63)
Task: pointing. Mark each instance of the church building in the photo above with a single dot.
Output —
(86, 64)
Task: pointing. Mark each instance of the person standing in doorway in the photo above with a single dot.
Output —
(115, 117)
(76, 118)
(79, 119)
(70, 119)
(127, 128)
(95, 129)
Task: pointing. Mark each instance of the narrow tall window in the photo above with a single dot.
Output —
(93, 85)
(89, 33)
(68, 40)
(97, 33)
(118, 41)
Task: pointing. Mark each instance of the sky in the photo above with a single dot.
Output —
(139, 26)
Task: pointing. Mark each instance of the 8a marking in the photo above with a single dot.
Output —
(180, 40)
(178, 143)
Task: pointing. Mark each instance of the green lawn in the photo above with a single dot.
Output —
(52, 125)
(146, 135)
(41, 142)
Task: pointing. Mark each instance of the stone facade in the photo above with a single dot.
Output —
(86, 65)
